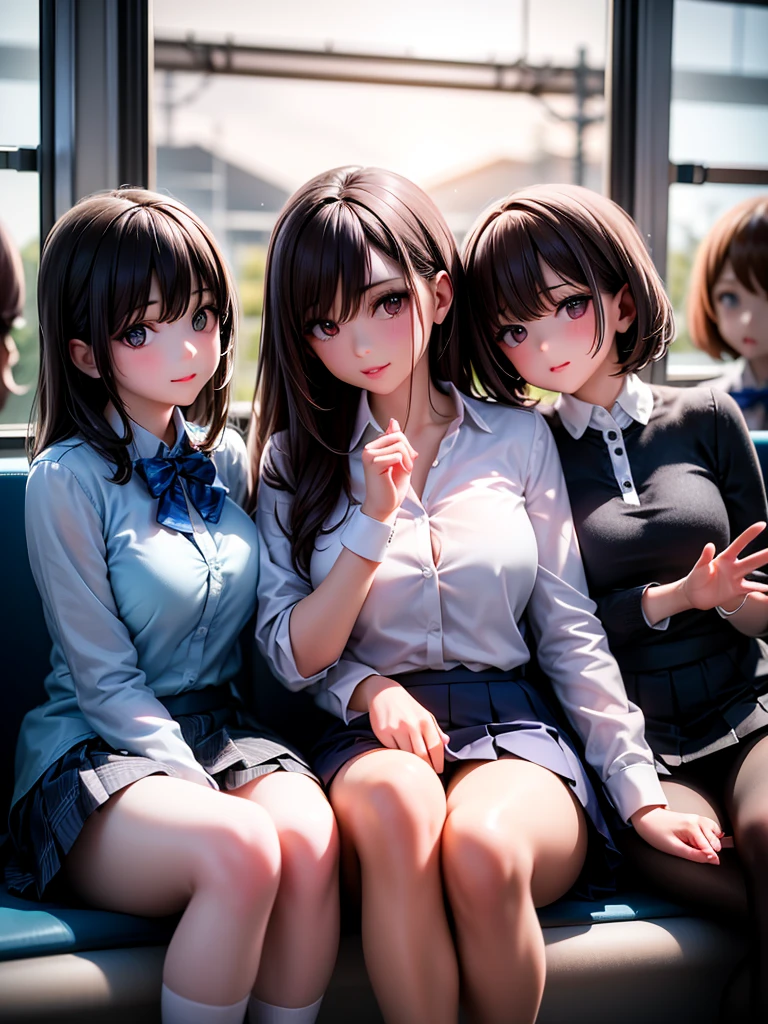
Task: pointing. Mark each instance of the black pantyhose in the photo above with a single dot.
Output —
(731, 787)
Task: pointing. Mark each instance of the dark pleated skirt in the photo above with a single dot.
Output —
(226, 740)
(489, 715)
(703, 705)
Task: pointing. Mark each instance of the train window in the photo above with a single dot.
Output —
(19, 205)
(718, 140)
(470, 102)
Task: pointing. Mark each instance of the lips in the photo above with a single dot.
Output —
(750, 341)
(557, 369)
(183, 380)
(375, 371)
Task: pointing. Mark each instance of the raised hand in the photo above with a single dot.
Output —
(719, 581)
(400, 722)
(690, 836)
(387, 464)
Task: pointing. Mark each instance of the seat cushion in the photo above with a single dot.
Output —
(38, 929)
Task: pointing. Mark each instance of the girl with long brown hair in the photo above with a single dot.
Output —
(143, 783)
(413, 539)
(666, 494)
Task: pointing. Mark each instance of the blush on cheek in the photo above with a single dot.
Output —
(145, 360)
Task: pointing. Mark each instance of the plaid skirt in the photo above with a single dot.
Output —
(488, 715)
(226, 740)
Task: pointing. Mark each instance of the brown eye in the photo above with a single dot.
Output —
(512, 336)
(390, 305)
(321, 330)
(577, 307)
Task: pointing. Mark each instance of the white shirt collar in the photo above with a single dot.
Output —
(635, 398)
(462, 405)
(145, 444)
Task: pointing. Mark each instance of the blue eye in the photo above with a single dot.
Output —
(729, 300)
(200, 320)
(136, 336)
(512, 336)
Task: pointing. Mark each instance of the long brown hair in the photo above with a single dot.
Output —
(320, 248)
(583, 237)
(739, 237)
(96, 273)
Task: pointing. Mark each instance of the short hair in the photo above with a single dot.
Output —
(585, 238)
(739, 237)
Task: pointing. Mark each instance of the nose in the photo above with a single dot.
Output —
(361, 344)
(544, 346)
(189, 348)
(746, 317)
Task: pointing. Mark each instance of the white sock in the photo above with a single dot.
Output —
(178, 1010)
(263, 1013)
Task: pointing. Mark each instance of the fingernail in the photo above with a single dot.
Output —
(395, 425)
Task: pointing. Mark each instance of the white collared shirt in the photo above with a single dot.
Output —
(496, 502)
(634, 404)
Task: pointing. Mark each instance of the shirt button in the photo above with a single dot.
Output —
(436, 462)
(202, 631)
(618, 451)
(426, 572)
(627, 485)
(612, 435)
(434, 628)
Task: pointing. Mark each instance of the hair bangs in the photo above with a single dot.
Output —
(748, 252)
(160, 243)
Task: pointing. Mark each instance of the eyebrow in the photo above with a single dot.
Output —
(156, 302)
(384, 280)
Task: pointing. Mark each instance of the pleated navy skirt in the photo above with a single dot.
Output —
(488, 715)
(226, 740)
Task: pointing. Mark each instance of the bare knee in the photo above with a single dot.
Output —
(309, 846)
(239, 854)
(386, 813)
(484, 867)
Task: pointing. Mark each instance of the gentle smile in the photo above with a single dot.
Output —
(374, 371)
(183, 380)
(557, 369)
(750, 341)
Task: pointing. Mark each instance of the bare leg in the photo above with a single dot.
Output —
(718, 888)
(515, 838)
(747, 802)
(162, 845)
(391, 807)
(303, 933)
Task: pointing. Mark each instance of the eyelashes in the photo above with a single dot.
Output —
(386, 307)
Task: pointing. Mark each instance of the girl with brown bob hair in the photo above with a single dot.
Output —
(565, 296)
(146, 563)
(406, 529)
(728, 305)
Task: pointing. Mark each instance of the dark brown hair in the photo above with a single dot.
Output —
(583, 237)
(96, 273)
(739, 237)
(320, 247)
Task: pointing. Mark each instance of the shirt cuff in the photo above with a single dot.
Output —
(366, 537)
(634, 787)
(336, 695)
(662, 623)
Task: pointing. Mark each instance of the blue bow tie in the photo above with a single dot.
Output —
(748, 397)
(163, 478)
